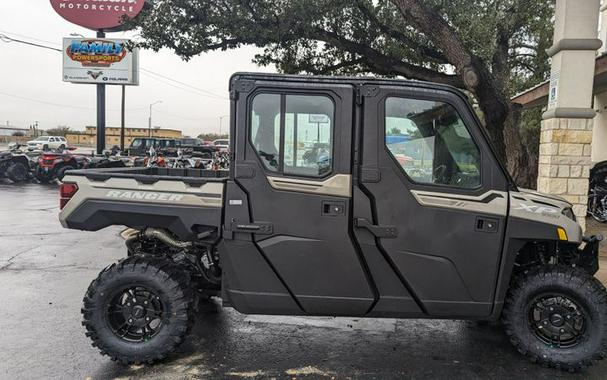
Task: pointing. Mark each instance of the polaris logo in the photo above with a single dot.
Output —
(144, 195)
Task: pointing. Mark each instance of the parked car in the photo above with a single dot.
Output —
(198, 148)
(222, 144)
(140, 146)
(46, 143)
(358, 237)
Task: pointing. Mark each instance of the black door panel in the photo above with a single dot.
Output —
(310, 247)
(449, 265)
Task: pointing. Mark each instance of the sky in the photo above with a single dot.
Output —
(31, 86)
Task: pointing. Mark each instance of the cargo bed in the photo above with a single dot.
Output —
(187, 201)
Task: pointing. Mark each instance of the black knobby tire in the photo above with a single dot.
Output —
(43, 177)
(575, 304)
(17, 172)
(61, 171)
(169, 284)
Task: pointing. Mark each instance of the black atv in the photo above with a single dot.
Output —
(14, 167)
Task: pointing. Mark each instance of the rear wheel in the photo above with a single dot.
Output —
(17, 172)
(558, 316)
(61, 171)
(140, 309)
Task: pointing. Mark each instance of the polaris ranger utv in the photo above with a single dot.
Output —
(405, 212)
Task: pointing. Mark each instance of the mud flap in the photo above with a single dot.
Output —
(589, 255)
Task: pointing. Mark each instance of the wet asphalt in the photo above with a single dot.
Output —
(44, 271)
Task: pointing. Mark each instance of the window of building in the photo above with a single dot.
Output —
(307, 126)
(431, 143)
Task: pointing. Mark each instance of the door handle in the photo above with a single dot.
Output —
(388, 232)
(490, 225)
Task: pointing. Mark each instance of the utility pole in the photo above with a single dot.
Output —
(150, 119)
(100, 110)
(122, 118)
(220, 123)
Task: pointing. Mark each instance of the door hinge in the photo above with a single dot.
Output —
(388, 232)
(366, 91)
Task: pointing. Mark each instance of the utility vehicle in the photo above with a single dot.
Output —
(361, 233)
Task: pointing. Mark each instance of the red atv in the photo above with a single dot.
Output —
(54, 165)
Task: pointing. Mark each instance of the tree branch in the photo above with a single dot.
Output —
(421, 49)
(387, 64)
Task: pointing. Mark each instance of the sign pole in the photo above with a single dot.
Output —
(100, 110)
(122, 118)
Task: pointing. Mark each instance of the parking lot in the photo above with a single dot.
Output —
(44, 271)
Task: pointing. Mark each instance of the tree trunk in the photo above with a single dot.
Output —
(522, 165)
(502, 120)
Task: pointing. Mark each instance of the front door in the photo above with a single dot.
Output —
(439, 197)
(296, 171)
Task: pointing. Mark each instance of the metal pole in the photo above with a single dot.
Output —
(122, 118)
(150, 122)
(100, 111)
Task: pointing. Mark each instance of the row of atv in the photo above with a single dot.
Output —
(48, 166)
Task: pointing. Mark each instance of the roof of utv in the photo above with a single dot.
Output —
(343, 80)
(357, 81)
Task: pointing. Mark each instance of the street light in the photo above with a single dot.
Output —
(220, 122)
(150, 119)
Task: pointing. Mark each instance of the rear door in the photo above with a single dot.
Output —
(439, 197)
(293, 160)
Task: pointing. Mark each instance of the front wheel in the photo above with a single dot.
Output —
(17, 172)
(558, 316)
(140, 309)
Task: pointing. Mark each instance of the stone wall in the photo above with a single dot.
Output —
(564, 162)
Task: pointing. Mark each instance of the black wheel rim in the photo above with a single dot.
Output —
(557, 320)
(135, 314)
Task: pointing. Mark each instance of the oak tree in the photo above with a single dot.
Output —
(490, 48)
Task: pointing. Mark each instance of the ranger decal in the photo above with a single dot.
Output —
(144, 195)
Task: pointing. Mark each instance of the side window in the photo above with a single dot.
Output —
(308, 135)
(307, 126)
(431, 143)
(137, 143)
(265, 129)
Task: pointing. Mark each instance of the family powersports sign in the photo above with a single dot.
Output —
(100, 61)
(98, 14)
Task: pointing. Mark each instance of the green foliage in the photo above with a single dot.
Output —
(358, 36)
(500, 44)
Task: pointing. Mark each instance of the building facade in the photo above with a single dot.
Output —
(574, 126)
(112, 135)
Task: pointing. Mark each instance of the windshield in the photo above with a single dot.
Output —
(41, 138)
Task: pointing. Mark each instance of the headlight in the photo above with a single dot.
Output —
(568, 212)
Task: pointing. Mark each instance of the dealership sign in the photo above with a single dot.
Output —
(97, 14)
(100, 61)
